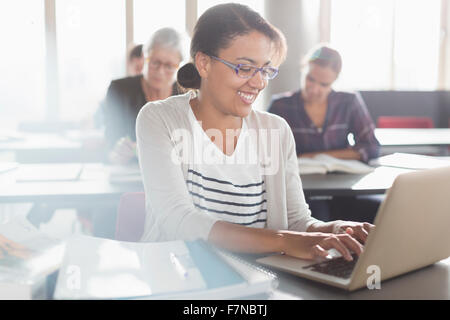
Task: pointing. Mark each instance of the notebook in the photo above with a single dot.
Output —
(323, 163)
(95, 268)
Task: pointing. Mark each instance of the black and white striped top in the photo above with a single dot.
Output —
(230, 188)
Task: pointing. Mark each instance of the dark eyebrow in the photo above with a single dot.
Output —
(252, 61)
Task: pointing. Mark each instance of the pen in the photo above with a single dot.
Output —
(176, 262)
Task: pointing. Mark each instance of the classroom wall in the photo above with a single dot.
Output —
(299, 21)
(433, 104)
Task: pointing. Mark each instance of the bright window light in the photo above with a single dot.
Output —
(91, 52)
(256, 5)
(150, 16)
(22, 62)
(386, 44)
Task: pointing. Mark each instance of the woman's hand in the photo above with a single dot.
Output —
(123, 151)
(358, 230)
(312, 245)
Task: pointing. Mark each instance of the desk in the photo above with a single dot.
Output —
(92, 187)
(40, 147)
(344, 184)
(432, 282)
(413, 137)
(424, 141)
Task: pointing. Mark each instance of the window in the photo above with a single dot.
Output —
(149, 16)
(91, 52)
(22, 62)
(256, 5)
(387, 44)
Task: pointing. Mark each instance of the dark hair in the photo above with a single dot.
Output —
(217, 27)
(135, 52)
(324, 56)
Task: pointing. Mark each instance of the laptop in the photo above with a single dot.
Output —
(412, 231)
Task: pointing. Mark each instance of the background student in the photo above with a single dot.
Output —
(125, 97)
(322, 119)
(191, 148)
(135, 60)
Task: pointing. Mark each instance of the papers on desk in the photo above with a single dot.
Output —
(95, 268)
(125, 174)
(323, 163)
(8, 166)
(27, 257)
(49, 172)
(411, 161)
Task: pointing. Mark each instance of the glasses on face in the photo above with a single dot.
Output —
(248, 71)
(156, 64)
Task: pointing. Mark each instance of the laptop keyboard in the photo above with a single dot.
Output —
(338, 267)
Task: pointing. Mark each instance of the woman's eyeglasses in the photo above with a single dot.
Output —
(156, 64)
(248, 71)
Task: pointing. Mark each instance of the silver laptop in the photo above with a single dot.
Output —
(412, 231)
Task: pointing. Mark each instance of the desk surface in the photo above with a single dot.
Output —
(413, 137)
(94, 185)
(432, 282)
(343, 184)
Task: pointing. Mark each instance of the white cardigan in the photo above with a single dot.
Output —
(170, 212)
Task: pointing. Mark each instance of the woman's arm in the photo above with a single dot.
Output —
(363, 129)
(305, 245)
(172, 212)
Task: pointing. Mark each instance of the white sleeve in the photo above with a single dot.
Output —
(167, 199)
(299, 215)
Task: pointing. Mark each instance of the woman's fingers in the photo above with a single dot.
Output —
(318, 251)
(344, 243)
(335, 242)
(358, 232)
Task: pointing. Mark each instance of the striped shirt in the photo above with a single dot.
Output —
(346, 114)
(224, 187)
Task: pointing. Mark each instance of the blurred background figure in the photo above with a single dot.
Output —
(322, 120)
(163, 54)
(135, 60)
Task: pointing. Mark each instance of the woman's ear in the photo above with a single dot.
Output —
(203, 63)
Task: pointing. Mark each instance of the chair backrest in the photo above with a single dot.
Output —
(404, 122)
(130, 216)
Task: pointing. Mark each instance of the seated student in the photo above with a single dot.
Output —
(206, 170)
(125, 97)
(135, 60)
(322, 119)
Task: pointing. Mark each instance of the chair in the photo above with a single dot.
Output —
(404, 122)
(130, 216)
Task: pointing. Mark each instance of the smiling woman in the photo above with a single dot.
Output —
(248, 206)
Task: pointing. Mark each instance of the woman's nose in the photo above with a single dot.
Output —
(258, 81)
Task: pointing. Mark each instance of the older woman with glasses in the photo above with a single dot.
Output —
(163, 54)
(214, 168)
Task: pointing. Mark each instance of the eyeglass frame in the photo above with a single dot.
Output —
(155, 65)
(236, 68)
